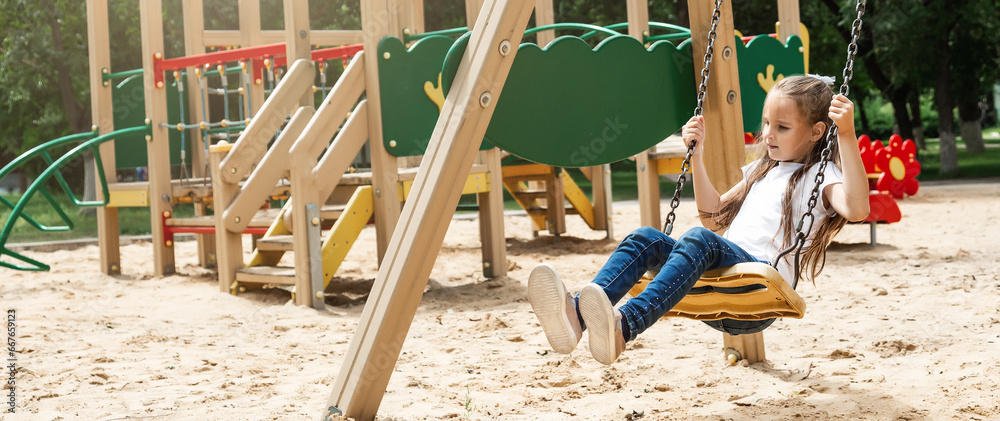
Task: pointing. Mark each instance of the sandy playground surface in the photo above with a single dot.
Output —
(905, 330)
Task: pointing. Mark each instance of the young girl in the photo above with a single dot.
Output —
(756, 218)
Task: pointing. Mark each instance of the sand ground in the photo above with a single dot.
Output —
(908, 329)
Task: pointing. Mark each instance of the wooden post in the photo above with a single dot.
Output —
(297, 38)
(229, 245)
(158, 148)
(401, 279)
(304, 194)
(788, 20)
(544, 15)
(378, 22)
(724, 117)
(98, 43)
(250, 36)
(491, 229)
(750, 347)
(411, 16)
(194, 43)
(600, 179)
(648, 180)
(724, 123)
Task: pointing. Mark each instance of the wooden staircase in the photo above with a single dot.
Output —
(345, 222)
(536, 186)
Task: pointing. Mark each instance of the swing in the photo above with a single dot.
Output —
(747, 298)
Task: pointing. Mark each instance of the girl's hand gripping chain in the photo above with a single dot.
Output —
(694, 130)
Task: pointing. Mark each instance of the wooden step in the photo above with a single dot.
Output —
(545, 212)
(525, 178)
(532, 194)
(275, 243)
(281, 275)
(281, 243)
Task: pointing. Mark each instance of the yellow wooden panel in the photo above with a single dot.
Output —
(578, 199)
(345, 231)
(128, 199)
(476, 183)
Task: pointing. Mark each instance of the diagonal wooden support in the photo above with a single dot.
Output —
(416, 241)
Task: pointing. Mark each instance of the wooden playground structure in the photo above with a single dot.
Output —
(233, 179)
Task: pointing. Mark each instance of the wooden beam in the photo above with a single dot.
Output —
(318, 37)
(158, 148)
(401, 279)
(385, 167)
(648, 182)
(724, 146)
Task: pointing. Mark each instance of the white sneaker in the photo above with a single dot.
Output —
(604, 322)
(555, 308)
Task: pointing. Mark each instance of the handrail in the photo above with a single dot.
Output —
(594, 29)
(252, 143)
(38, 184)
(314, 137)
(444, 32)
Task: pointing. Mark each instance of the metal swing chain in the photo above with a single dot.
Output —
(698, 110)
(827, 153)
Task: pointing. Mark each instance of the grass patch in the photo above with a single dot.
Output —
(970, 165)
(132, 221)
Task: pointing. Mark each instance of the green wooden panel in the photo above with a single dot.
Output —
(129, 108)
(753, 59)
(571, 105)
(408, 113)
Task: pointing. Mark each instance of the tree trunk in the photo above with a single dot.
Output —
(971, 126)
(866, 127)
(946, 112)
(916, 121)
(900, 113)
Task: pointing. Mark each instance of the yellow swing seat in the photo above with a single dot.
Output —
(746, 291)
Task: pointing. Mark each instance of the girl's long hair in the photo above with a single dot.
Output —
(812, 96)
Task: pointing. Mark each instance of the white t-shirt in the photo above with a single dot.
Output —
(756, 225)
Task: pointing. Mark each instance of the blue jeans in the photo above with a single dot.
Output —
(684, 261)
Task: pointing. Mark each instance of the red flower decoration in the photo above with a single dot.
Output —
(899, 167)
